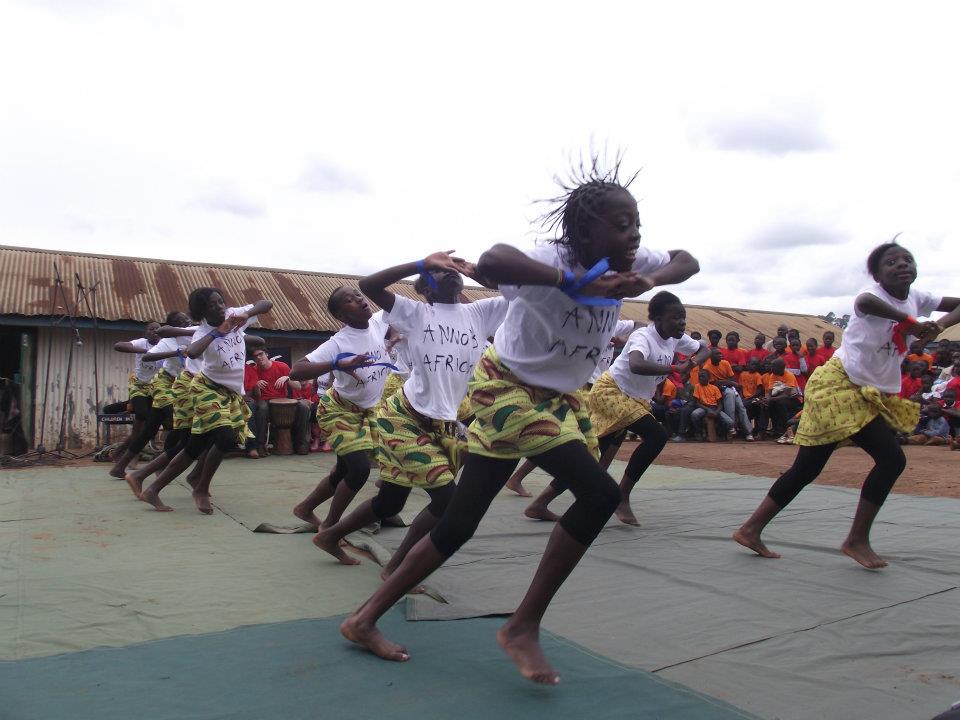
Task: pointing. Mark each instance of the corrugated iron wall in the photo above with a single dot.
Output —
(114, 369)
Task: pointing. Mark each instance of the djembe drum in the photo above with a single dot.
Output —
(282, 413)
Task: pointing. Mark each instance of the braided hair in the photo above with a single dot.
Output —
(585, 191)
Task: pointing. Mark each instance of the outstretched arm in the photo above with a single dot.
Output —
(167, 331)
(869, 304)
(307, 370)
(127, 347)
(375, 286)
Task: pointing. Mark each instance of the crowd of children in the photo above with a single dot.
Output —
(449, 397)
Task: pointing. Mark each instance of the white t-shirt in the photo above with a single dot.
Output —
(445, 341)
(606, 357)
(655, 349)
(193, 365)
(550, 341)
(368, 341)
(144, 369)
(867, 350)
(172, 365)
(224, 359)
(400, 356)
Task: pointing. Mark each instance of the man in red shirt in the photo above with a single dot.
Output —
(266, 380)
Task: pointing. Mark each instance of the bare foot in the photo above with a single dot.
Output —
(135, 483)
(863, 554)
(540, 512)
(524, 649)
(517, 487)
(308, 517)
(117, 472)
(752, 541)
(418, 590)
(325, 543)
(625, 514)
(202, 501)
(152, 497)
(372, 639)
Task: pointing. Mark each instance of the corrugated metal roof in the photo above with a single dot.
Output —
(142, 290)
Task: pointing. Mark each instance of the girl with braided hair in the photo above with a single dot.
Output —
(564, 303)
(854, 396)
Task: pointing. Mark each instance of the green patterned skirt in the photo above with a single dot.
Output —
(515, 420)
(215, 406)
(416, 451)
(349, 427)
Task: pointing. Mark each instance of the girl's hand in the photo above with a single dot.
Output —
(469, 269)
(605, 286)
(357, 361)
(925, 331)
(443, 261)
(685, 367)
(635, 284)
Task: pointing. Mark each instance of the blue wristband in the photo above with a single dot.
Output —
(422, 271)
(345, 355)
(571, 287)
(180, 354)
(216, 335)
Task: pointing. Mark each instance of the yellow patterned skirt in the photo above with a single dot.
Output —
(215, 406)
(138, 388)
(162, 388)
(394, 382)
(465, 411)
(515, 420)
(416, 451)
(349, 428)
(611, 409)
(183, 397)
(834, 408)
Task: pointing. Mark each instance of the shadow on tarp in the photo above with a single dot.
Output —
(304, 669)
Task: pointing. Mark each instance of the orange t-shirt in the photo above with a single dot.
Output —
(669, 391)
(913, 357)
(769, 379)
(721, 371)
(707, 394)
(750, 381)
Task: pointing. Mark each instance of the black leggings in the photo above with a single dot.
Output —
(175, 441)
(141, 407)
(876, 438)
(354, 469)
(225, 438)
(155, 418)
(654, 438)
(392, 497)
(597, 495)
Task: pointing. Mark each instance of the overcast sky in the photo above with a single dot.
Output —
(778, 142)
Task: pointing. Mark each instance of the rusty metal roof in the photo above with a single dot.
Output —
(141, 290)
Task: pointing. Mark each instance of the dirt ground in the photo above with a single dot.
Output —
(931, 471)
